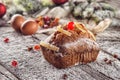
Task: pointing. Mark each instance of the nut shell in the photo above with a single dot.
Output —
(29, 27)
(16, 21)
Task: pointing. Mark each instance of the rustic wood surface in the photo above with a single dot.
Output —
(32, 65)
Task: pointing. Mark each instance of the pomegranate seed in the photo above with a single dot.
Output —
(70, 26)
(14, 63)
(37, 47)
(6, 40)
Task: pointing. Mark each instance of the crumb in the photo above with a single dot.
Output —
(64, 76)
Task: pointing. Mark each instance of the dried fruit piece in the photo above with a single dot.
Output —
(6, 40)
(49, 46)
(46, 18)
(14, 63)
(54, 22)
(70, 26)
(63, 31)
(36, 47)
(49, 21)
(40, 21)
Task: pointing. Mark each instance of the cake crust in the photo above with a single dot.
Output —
(79, 48)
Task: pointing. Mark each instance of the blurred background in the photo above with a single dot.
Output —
(87, 10)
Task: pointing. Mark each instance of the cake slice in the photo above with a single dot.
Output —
(66, 48)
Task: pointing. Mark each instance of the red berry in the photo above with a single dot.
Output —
(6, 40)
(2, 10)
(37, 47)
(14, 63)
(70, 26)
(46, 18)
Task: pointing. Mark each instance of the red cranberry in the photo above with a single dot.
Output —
(37, 47)
(46, 18)
(6, 40)
(70, 26)
(14, 63)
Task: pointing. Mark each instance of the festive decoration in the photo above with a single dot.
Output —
(58, 2)
(92, 10)
(47, 22)
(2, 10)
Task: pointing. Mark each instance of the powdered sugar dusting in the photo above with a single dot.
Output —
(82, 42)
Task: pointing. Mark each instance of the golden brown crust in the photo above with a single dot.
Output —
(75, 49)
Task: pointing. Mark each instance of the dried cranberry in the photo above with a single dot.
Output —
(6, 40)
(14, 63)
(36, 47)
(70, 26)
(46, 18)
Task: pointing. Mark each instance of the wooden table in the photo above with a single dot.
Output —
(32, 65)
